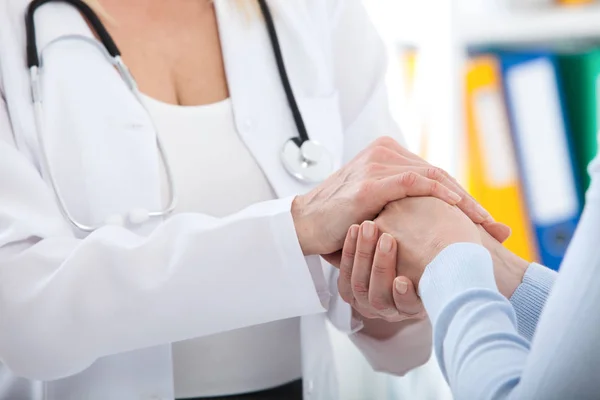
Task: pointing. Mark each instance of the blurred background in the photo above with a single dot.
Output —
(504, 95)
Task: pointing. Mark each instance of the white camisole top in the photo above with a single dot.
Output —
(216, 174)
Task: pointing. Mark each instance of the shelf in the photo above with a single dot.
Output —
(578, 22)
(399, 20)
(533, 26)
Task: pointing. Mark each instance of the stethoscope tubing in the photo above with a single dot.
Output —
(294, 161)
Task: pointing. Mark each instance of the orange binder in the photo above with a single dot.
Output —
(574, 2)
(491, 172)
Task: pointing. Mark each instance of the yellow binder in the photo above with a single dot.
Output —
(491, 172)
(409, 57)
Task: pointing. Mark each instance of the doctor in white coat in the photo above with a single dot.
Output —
(227, 295)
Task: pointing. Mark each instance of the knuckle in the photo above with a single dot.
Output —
(409, 178)
(435, 174)
(380, 269)
(385, 141)
(377, 153)
(364, 191)
(435, 187)
(381, 153)
(373, 168)
(445, 174)
(364, 254)
(360, 289)
(348, 254)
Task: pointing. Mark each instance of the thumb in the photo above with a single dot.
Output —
(405, 297)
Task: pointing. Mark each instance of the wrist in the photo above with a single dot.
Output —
(509, 270)
(302, 229)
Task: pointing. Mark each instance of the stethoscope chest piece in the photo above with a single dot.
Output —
(309, 162)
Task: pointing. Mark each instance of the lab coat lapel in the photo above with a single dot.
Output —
(262, 114)
(259, 103)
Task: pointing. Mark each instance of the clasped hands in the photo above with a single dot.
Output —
(383, 260)
(405, 199)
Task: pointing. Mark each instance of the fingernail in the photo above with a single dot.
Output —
(455, 197)
(368, 229)
(354, 231)
(385, 243)
(401, 286)
(484, 213)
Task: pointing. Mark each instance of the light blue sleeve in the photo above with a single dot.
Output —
(476, 340)
(530, 297)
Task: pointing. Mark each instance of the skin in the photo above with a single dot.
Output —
(155, 37)
(423, 228)
(509, 268)
(372, 273)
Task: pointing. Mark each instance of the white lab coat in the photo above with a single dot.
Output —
(93, 316)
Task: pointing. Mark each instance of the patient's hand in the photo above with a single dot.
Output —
(423, 227)
(368, 281)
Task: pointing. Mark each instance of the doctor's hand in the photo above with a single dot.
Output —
(382, 173)
(368, 278)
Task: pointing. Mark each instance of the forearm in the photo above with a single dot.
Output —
(509, 268)
(476, 341)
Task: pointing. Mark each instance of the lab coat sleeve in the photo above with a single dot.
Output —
(65, 302)
(360, 62)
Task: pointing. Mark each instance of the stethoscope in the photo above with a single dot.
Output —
(303, 158)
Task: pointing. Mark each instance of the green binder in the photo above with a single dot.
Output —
(579, 69)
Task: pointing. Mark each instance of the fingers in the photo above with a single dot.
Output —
(405, 298)
(383, 273)
(346, 265)
(498, 231)
(386, 150)
(389, 151)
(367, 278)
(421, 182)
(467, 204)
(363, 261)
(411, 184)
